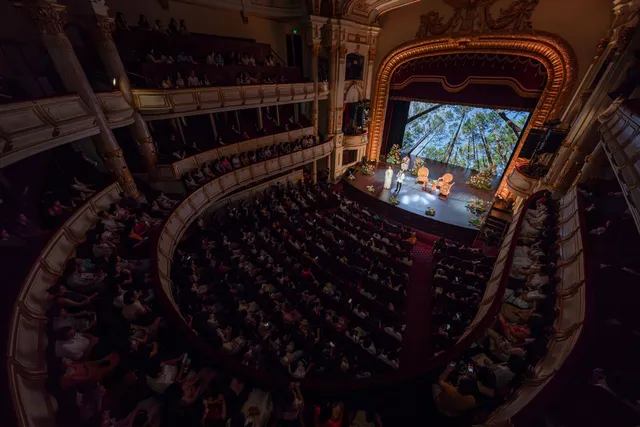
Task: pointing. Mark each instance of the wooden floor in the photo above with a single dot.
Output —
(452, 210)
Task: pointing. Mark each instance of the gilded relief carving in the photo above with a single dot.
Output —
(48, 17)
(470, 16)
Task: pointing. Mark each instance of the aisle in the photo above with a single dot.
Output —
(418, 305)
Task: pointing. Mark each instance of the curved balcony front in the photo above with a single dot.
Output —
(161, 103)
(521, 184)
(356, 141)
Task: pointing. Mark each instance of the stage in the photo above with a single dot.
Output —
(451, 218)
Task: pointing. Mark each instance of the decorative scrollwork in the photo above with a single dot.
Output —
(470, 16)
(48, 16)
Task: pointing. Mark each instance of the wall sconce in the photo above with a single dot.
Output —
(115, 82)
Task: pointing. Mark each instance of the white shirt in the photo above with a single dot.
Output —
(193, 81)
(132, 311)
(400, 177)
(73, 348)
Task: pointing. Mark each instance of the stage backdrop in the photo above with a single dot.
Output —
(503, 82)
(470, 137)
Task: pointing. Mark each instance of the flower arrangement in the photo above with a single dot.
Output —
(417, 164)
(394, 155)
(367, 168)
(478, 206)
(430, 211)
(482, 179)
(394, 200)
(371, 189)
(478, 222)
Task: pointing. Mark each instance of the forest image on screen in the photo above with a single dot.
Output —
(470, 137)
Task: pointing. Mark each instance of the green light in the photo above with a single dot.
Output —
(295, 31)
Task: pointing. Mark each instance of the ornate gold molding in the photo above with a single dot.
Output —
(48, 16)
(111, 154)
(316, 49)
(471, 16)
(551, 51)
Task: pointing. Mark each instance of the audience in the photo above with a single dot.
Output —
(253, 286)
(500, 361)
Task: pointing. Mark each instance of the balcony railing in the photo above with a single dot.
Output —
(26, 363)
(355, 141)
(171, 103)
(30, 127)
(177, 169)
(570, 308)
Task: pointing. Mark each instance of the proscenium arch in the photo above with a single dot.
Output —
(551, 51)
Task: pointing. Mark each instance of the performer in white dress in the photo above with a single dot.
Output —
(404, 166)
(399, 180)
(388, 178)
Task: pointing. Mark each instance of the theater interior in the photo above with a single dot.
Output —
(348, 213)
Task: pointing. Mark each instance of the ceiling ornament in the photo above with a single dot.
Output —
(472, 16)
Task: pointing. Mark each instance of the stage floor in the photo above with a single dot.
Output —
(452, 210)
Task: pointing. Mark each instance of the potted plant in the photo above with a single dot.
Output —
(430, 211)
(394, 200)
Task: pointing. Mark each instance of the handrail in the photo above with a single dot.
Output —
(30, 127)
(167, 103)
(26, 364)
(193, 162)
(187, 211)
(568, 326)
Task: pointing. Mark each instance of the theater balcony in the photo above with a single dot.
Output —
(31, 127)
(520, 183)
(159, 103)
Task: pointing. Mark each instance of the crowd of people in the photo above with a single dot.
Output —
(290, 282)
(73, 178)
(199, 135)
(218, 167)
(114, 360)
(496, 365)
(459, 278)
(202, 70)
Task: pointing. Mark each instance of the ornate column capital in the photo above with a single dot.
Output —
(343, 52)
(372, 55)
(105, 26)
(48, 16)
(315, 48)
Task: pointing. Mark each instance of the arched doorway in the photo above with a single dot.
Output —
(551, 51)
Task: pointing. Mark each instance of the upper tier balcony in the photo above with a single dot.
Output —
(30, 127)
(162, 103)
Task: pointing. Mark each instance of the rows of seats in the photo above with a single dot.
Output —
(224, 165)
(113, 360)
(172, 58)
(199, 135)
(459, 280)
(286, 286)
(72, 179)
(492, 370)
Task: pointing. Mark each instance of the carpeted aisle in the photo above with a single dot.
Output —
(418, 304)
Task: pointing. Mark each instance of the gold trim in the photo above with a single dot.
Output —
(568, 218)
(487, 80)
(571, 290)
(551, 51)
(570, 235)
(570, 260)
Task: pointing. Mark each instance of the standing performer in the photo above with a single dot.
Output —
(404, 166)
(399, 180)
(388, 178)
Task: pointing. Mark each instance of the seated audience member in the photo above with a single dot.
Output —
(183, 28)
(143, 24)
(193, 80)
(269, 61)
(121, 22)
(179, 81)
(454, 400)
(173, 27)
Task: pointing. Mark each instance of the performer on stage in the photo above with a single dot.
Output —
(399, 180)
(404, 166)
(388, 178)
